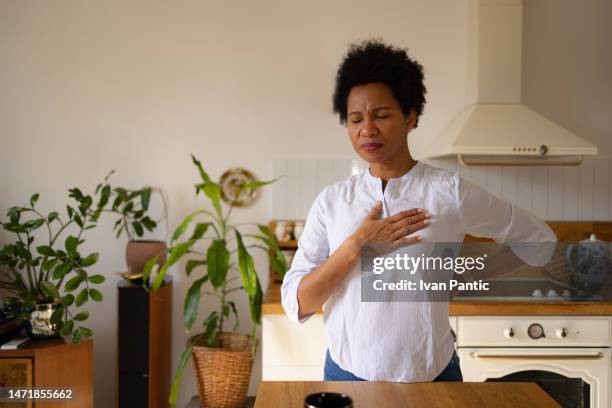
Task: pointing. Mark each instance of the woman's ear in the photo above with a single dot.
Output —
(411, 120)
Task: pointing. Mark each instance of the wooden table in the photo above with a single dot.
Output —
(271, 394)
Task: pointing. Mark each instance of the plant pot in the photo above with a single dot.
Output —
(138, 252)
(38, 325)
(223, 372)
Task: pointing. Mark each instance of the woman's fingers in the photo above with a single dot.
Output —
(411, 224)
(403, 214)
(409, 240)
(409, 229)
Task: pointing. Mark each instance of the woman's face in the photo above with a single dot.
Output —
(376, 124)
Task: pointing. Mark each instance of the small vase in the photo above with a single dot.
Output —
(283, 231)
(38, 325)
(298, 228)
(139, 252)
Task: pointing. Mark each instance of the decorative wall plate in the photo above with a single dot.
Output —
(230, 183)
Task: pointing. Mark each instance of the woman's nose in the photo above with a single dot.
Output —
(369, 127)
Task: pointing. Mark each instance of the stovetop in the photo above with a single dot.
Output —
(526, 290)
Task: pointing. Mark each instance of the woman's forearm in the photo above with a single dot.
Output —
(320, 283)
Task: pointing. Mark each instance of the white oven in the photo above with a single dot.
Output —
(569, 357)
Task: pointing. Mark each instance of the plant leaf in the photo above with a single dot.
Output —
(255, 304)
(199, 231)
(245, 266)
(67, 328)
(176, 253)
(192, 264)
(183, 226)
(85, 331)
(145, 198)
(81, 316)
(50, 289)
(31, 225)
(254, 185)
(81, 298)
(77, 336)
(192, 301)
(213, 191)
(104, 197)
(45, 250)
(176, 384)
(34, 199)
(71, 245)
(68, 300)
(73, 283)
(49, 264)
(90, 260)
(62, 270)
(95, 295)
(96, 279)
(138, 228)
(210, 328)
(56, 317)
(203, 174)
(233, 306)
(217, 260)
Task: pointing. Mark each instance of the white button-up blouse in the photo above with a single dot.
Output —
(397, 341)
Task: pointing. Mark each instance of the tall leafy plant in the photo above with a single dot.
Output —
(226, 249)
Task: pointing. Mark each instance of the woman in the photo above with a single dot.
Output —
(380, 95)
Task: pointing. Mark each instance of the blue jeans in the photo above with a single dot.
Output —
(333, 372)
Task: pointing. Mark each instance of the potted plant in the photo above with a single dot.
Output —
(222, 359)
(47, 280)
(132, 207)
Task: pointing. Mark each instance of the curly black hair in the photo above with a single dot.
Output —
(374, 61)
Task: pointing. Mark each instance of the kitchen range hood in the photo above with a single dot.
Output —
(497, 129)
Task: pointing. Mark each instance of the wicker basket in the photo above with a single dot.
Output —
(223, 372)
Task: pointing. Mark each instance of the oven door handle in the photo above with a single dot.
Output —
(593, 355)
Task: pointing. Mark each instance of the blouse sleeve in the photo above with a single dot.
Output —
(482, 214)
(313, 249)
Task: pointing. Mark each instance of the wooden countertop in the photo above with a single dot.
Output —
(272, 305)
(271, 394)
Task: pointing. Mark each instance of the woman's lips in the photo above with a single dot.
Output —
(370, 147)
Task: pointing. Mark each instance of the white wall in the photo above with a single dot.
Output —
(137, 86)
(567, 63)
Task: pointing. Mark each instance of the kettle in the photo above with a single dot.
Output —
(590, 263)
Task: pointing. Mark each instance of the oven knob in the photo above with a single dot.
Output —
(508, 333)
(561, 333)
(535, 331)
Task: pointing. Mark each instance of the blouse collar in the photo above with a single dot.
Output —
(405, 178)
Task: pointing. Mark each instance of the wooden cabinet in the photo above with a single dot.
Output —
(53, 364)
(296, 352)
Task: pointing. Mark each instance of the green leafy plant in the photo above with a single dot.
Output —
(57, 271)
(132, 207)
(227, 250)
